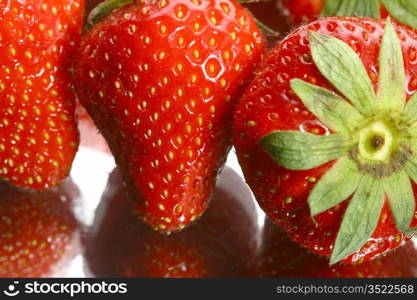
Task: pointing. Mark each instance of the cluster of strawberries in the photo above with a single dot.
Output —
(324, 127)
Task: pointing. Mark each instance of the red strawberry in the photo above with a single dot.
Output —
(38, 131)
(39, 234)
(160, 80)
(265, 12)
(303, 11)
(326, 140)
(281, 257)
(217, 245)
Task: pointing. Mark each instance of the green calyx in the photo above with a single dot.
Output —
(373, 144)
(102, 10)
(405, 11)
(352, 8)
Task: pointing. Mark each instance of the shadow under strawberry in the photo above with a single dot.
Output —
(217, 245)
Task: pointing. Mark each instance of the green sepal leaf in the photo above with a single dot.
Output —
(401, 199)
(352, 8)
(411, 170)
(335, 186)
(102, 10)
(391, 83)
(297, 150)
(360, 219)
(340, 65)
(411, 110)
(334, 111)
(405, 11)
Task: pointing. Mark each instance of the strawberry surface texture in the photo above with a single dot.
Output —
(160, 79)
(38, 131)
(324, 135)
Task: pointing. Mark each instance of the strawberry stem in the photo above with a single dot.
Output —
(102, 10)
(378, 141)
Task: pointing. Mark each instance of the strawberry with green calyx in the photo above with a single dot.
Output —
(299, 11)
(343, 141)
(160, 80)
(374, 140)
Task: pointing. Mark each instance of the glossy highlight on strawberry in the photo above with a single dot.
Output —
(294, 175)
(160, 80)
(217, 245)
(38, 131)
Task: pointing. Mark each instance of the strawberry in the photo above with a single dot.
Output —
(89, 135)
(281, 257)
(160, 80)
(325, 135)
(217, 245)
(303, 11)
(38, 131)
(39, 234)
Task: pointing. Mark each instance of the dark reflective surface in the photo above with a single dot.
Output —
(281, 257)
(217, 245)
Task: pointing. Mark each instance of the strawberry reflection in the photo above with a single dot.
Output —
(217, 245)
(281, 257)
(39, 234)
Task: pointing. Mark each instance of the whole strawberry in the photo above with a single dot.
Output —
(281, 257)
(38, 131)
(217, 245)
(326, 136)
(39, 234)
(160, 80)
(302, 11)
